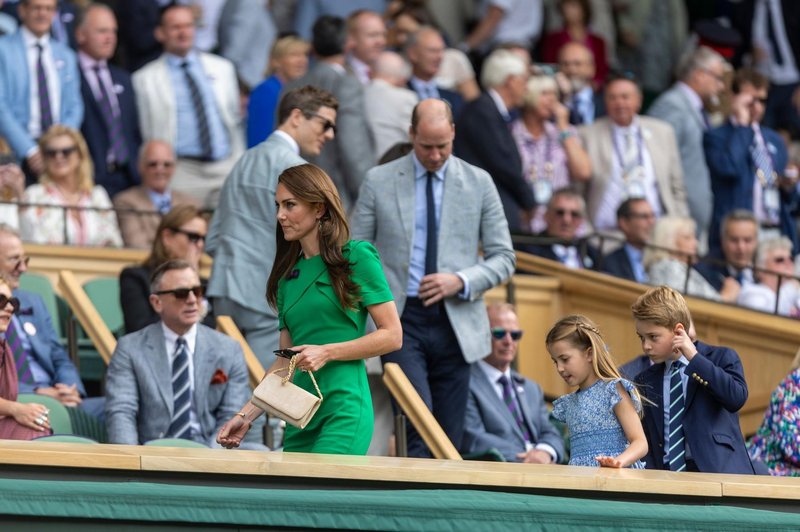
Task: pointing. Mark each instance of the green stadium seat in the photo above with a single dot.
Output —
(41, 285)
(59, 417)
(104, 295)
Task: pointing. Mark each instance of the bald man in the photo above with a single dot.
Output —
(448, 210)
(388, 103)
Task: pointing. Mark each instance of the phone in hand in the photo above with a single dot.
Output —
(285, 353)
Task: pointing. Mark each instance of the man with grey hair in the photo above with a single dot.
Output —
(484, 138)
(700, 80)
(425, 51)
(388, 103)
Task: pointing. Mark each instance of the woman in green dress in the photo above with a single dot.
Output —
(323, 285)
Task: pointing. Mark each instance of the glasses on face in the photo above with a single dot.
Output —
(13, 301)
(781, 260)
(641, 215)
(326, 124)
(193, 237)
(718, 77)
(18, 262)
(183, 293)
(498, 333)
(563, 212)
(156, 164)
(51, 153)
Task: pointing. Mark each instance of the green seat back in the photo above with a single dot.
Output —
(67, 438)
(40, 284)
(104, 295)
(59, 417)
(176, 442)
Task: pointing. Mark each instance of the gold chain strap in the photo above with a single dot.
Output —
(290, 372)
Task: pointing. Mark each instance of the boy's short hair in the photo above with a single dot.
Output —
(662, 306)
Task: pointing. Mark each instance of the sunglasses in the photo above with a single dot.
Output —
(183, 293)
(326, 124)
(563, 212)
(498, 333)
(51, 153)
(156, 164)
(193, 237)
(12, 300)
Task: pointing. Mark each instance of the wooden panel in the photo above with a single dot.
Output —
(87, 315)
(765, 343)
(80, 455)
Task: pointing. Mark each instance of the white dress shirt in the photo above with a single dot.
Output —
(53, 85)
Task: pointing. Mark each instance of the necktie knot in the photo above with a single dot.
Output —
(503, 380)
(677, 366)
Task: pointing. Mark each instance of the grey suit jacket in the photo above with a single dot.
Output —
(139, 229)
(490, 424)
(471, 219)
(139, 399)
(388, 111)
(660, 142)
(241, 23)
(242, 234)
(674, 107)
(350, 154)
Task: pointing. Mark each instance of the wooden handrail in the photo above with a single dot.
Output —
(411, 403)
(256, 370)
(87, 315)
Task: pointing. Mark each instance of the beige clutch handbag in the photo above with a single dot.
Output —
(280, 397)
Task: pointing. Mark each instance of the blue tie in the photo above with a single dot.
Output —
(430, 226)
(676, 454)
(181, 393)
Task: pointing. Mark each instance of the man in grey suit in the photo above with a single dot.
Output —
(176, 378)
(346, 159)
(242, 234)
(429, 213)
(683, 106)
(506, 411)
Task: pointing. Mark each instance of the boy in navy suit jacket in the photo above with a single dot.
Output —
(709, 439)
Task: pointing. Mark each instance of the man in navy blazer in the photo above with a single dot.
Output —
(730, 154)
(425, 51)
(53, 372)
(523, 432)
(114, 170)
(20, 122)
(714, 390)
(484, 139)
(636, 219)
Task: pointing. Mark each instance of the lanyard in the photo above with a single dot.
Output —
(548, 157)
(618, 152)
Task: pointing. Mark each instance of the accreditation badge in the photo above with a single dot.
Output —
(772, 199)
(29, 328)
(542, 191)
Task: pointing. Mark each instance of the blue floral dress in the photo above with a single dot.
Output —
(594, 429)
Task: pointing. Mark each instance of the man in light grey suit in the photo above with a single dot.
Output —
(176, 378)
(700, 81)
(429, 213)
(346, 159)
(506, 411)
(242, 234)
(632, 156)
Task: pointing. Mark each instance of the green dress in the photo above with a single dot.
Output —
(309, 309)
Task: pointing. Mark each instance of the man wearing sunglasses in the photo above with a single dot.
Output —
(175, 378)
(51, 373)
(506, 411)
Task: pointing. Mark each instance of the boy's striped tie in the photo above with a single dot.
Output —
(676, 454)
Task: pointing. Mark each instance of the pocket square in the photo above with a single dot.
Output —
(219, 377)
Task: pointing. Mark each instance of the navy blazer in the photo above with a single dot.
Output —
(45, 345)
(618, 264)
(589, 255)
(713, 268)
(454, 98)
(632, 368)
(732, 170)
(483, 138)
(96, 133)
(715, 392)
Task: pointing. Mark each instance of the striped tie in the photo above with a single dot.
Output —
(676, 454)
(116, 139)
(45, 111)
(181, 393)
(511, 404)
(203, 131)
(19, 352)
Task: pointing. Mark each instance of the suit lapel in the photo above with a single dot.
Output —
(658, 162)
(295, 288)
(157, 361)
(489, 391)
(656, 383)
(405, 192)
(449, 222)
(203, 359)
(524, 404)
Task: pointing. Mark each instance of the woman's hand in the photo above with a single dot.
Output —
(608, 461)
(311, 357)
(233, 432)
(33, 416)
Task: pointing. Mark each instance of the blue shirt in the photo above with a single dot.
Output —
(161, 201)
(188, 136)
(635, 258)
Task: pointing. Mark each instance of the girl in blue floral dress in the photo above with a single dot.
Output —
(603, 415)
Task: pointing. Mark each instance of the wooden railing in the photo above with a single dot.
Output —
(414, 408)
(255, 369)
(87, 315)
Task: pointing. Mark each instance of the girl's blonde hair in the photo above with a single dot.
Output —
(582, 333)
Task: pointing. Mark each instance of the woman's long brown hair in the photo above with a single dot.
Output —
(312, 185)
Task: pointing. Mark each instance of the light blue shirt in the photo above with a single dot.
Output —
(162, 201)
(635, 258)
(188, 136)
(665, 391)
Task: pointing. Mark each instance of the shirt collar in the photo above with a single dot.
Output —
(420, 172)
(171, 337)
(87, 62)
(671, 362)
(288, 138)
(694, 98)
(633, 252)
(416, 82)
(621, 130)
(492, 373)
(498, 101)
(30, 39)
(176, 61)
